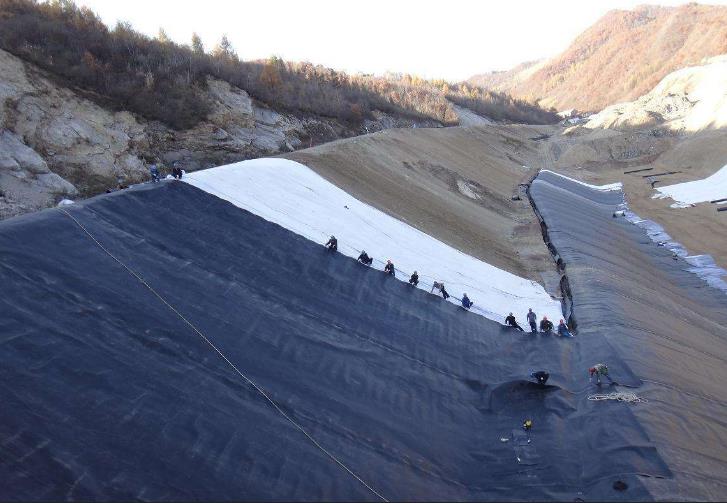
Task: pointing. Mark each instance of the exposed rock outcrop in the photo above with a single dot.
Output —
(61, 143)
(25, 180)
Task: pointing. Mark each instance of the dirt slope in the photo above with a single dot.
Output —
(624, 55)
(455, 184)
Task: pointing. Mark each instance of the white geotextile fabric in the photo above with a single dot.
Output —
(293, 196)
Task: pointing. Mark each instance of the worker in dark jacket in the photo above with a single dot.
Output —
(512, 322)
(563, 330)
(440, 286)
(466, 302)
(445, 295)
(414, 279)
(532, 319)
(389, 268)
(364, 258)
(546, 325)
(176, 171)
(332, 244)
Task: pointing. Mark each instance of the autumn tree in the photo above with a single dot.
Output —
(224, 49)
(197, 46)
(162, 37)
(270, 75)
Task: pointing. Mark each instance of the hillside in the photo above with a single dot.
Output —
(623, 56)
(163, 80)
(455, 183)
(507, 78)
(57, 143)
(85, 108)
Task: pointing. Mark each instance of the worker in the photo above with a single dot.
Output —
(541, 376)
(512, 322)
(364, 258)
(176, 171)
(389, 268)
(598, 370)
(546, 326)
(532, 319)
(154, 171)
(563, 330)
(527, 426)
(438, 285)
(466, 302)
(414, 279)
(443, 290)
(332, 244)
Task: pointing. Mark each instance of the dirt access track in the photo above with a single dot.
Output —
(457, 183)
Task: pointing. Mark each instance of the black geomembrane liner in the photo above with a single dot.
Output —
(654, 316)
(108, 394)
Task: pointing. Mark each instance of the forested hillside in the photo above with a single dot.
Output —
(621, 57)
(162, 80)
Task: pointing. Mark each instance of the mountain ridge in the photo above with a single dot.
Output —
(622, 56)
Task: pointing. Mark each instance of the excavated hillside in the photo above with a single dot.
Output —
(690, 99)
(621, 57)
(456, 184)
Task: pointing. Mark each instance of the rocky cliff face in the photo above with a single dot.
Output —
(56, 144)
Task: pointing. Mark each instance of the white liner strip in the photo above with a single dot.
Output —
(603, 188)
(292, 195)
(685, 194)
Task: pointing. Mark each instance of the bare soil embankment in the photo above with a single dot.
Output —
(455, 184)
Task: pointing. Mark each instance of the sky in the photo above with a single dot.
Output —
(451, 39)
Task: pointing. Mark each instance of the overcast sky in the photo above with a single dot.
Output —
(451, 39)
